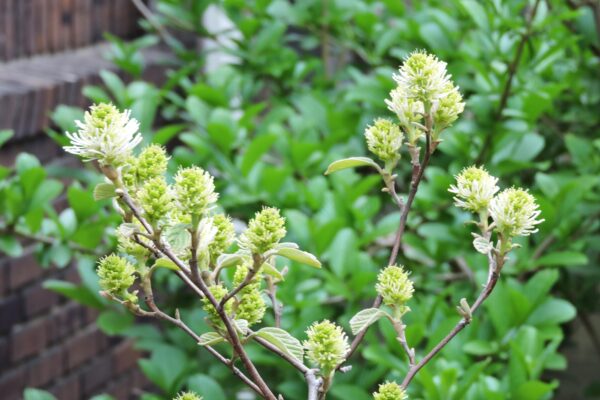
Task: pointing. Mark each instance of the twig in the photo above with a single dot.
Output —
(401, 331)
(417, 176)
(249, 276)
(314, 384)
(495, 262)
(147, 13)
(277, 307)
(512, 71)
(235, 340)
(293, 361)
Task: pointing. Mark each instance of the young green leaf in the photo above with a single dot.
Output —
(210, 338)
(365, 318)
(283, 341)
(300, 256)
(352, 162)
(104, 191)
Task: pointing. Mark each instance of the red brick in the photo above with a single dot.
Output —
(96, 375)
(24, 270)
(68, 388)
(38, 300)
(4, 288)
(65, 320)
(81, 348)
(29, 340)
(13, 383)
(11, 313)
(124, 357)
(47, 367)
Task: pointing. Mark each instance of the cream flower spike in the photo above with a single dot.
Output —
(106, 135)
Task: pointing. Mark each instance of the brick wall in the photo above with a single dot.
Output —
(52, 49)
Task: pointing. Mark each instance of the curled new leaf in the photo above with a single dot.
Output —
(299, 255)
(352, 162)
(365, 318)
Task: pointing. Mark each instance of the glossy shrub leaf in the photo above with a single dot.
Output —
(210, 338)
(299, 256)
(104, 191)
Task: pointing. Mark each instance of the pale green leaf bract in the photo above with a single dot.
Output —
(300, 256)
(104, 191)
(365, 318)
(352, 162)
(283, 341)
(166, 263)
(210, 338)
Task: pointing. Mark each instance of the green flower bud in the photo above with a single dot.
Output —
(326, 346)
(151, 162)
(264, 231)
(394, 286)
(224, 237)
(251, 306)
(188, 396)
(384, 139)
(116, 276)
(474, 189)
(127, 245)
(106, 135)
(218, 291)
(195, 190)
(390, 391)
(514, 212)
(449, 108)
(156, 199)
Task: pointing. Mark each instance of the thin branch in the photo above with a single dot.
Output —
(314, 384)
(401, 331)
(512, 71)
(417, 176)
(249, 276)
(293, 361)
(495, 262)
(277, 306)
(151, 18)
(231, 331)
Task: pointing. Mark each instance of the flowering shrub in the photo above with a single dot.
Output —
(173, 226)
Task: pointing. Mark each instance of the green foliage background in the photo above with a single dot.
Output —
(309, 76)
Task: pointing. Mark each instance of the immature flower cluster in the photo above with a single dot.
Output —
(116, 276)
(251, 305)
(195, 190)
(474, 189)
(423, 86)
(514, 212)
(224, 236)
(127, 245)
(326, 346)
(394, 286)
(384, 139)
(188, 396)
(218, 291)
(106, 135)
(151, 162)
(156, 199)
(390, 391)
(264, 231)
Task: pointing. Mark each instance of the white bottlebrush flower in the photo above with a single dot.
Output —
(106, 135)
(423, 77)
(408, 111)
(474, 189)
(514, 212)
